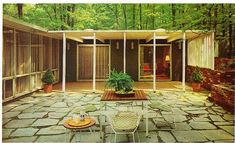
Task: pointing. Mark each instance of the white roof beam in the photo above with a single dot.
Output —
(149, 38)
(100, 39)
(173, 38)
(74, 38)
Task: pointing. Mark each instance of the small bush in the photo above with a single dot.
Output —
(197, 75)
(48, 77)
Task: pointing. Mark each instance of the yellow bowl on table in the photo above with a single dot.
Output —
(78, 123)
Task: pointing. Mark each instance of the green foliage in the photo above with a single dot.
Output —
(197, 75)
(218, 17)
(48, 77)
(120, 81)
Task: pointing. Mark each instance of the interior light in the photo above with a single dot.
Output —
(117, 45)
(132, 45)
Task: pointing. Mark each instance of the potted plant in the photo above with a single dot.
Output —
(197, 79)
(121, 83)
(48, 79)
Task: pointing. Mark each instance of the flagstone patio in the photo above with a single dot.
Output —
(40, 117)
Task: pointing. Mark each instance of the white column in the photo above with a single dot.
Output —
(94, 61)
(124, 53)
(183, 61)
(64, 63)
(154, 61)
(213, 50)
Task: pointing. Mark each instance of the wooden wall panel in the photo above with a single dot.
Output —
(85, 62)
(8, 50)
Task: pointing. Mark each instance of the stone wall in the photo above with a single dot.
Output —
(224, 73)
(223, 95)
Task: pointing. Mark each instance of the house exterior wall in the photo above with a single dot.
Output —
(26, 57)
(116, 58)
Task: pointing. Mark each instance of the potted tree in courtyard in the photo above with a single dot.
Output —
(48, 79)
(197, 79)
(121, 83)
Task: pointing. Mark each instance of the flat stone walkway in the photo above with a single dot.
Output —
(39, 118)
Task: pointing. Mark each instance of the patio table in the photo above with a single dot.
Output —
(140, 96)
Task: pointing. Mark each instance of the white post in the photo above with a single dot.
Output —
(154, 61)
(124, 53)
(64, 62)
(213, 50)
(183, 61)
(94, 61)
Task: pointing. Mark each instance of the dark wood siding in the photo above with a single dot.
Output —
(71, 60)
(132, 59)
(117, 55)
(176, 61)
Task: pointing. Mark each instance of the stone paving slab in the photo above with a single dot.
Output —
(216, 118)
(10, 114)
(23, 132)
(229, 129)
(32, 115)
(202, 125)
(21, 140)
(166, 136)
(6, 132)
(52, 130)
(59, 105)
(19, 123)
(4, 121)
(174, 118)
(57, 115)
(45, 122)
(22, 107)
(189, 136)
(182, 126)
(216, 135)
(52, 138)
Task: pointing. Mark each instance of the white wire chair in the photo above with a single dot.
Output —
(124, 122)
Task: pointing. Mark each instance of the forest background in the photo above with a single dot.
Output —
(219, 18)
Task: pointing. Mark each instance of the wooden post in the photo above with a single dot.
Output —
(124, 53)
(14, 67)
(94, 61)
(183, 61)
(213, 50)
(154, 61)
(64, 63)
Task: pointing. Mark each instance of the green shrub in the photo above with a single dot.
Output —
(119, 81)
(48, 77)
(197, 75)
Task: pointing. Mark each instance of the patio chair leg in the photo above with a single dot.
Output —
(133, 134)
(115, 138)
(138, 136)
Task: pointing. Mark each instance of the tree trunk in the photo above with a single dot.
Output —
(223, 22)
(116, 16)
(140, 12)
(173, 12)
(124, 14)
(215, 17)
(20, 10)
(230, 31)
(133, 16)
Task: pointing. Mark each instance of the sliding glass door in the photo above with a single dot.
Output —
(163, 62)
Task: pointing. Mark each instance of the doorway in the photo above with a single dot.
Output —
(163, 62)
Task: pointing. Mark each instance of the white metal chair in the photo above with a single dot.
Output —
(124, 122)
